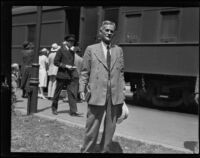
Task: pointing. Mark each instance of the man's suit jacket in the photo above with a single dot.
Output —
(94, 74)
(65, 57)
(27, 58)
(26, 69)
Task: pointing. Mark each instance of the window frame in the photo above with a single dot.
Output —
(168, 38)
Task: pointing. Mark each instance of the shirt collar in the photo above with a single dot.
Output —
(105, 45)
(66, 47)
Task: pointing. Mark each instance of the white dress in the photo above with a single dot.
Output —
(43, 60)
(52, 68)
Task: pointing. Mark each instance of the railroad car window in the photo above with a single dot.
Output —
(31, 33)
(133, 28)
(169, 26)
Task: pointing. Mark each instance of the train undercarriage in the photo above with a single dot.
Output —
(162, 91)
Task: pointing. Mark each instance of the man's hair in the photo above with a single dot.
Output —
(107, 22)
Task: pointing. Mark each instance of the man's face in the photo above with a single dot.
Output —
(107, 33)
(70, 43)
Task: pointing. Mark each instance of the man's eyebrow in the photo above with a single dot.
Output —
(109, 30)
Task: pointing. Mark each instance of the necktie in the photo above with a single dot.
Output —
(108, 61)
(108, 57)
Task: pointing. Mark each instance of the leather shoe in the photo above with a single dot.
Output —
(75, 114)
(55, 112)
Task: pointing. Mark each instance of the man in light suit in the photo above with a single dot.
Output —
(103, 75)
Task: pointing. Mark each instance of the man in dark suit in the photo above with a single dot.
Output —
(67, 75)
(103, 75)
(27, 60)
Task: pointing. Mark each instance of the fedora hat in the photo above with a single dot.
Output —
(70, 37)
(124, 114)
(25, 44)
(55, 47)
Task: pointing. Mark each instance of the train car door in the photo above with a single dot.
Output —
(89, 21)
(72, 21)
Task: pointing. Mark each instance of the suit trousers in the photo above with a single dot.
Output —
(26, 75)
(70, 91)
(94, 117)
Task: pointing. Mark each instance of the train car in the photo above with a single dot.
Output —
(161, 44)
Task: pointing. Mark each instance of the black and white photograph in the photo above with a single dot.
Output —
(100, 79)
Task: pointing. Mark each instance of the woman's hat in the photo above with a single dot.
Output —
(55, 47)
(15, 66)
(124, 114)
(44, 50)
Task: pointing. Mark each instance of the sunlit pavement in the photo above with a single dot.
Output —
(170, 129)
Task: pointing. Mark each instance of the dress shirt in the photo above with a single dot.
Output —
(104, 46)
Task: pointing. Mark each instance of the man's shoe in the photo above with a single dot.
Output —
(76, 114)
(55, 112)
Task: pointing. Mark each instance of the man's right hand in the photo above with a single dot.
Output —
(82, 96)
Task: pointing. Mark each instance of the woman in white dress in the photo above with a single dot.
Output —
(43, 62)
(52, 70)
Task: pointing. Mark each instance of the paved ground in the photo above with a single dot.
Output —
(170, 129)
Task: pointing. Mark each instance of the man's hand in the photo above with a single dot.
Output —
(196, 98)
(73, 67)
(124, 90)
(82, 96)
(70, 67)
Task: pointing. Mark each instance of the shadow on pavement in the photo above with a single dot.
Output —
(191, 145)
(40, 110)
(192, 109)
(114, 148)
(63, 111)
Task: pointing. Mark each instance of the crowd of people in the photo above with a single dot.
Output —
(47, 76)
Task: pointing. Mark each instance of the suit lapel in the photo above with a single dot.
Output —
(100, 55)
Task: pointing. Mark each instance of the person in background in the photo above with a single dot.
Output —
(14, 83)
(196, 98)
(52, 70)
(78, 63)
(27, 60)
(102, 74)
(66, 74)
(43, 62)
(20, 76)
(16, 71)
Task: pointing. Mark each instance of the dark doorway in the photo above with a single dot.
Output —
(73, 21)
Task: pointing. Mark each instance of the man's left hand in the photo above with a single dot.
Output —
(196, 98)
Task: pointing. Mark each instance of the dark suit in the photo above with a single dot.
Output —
(65, 77)
(28, 56)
